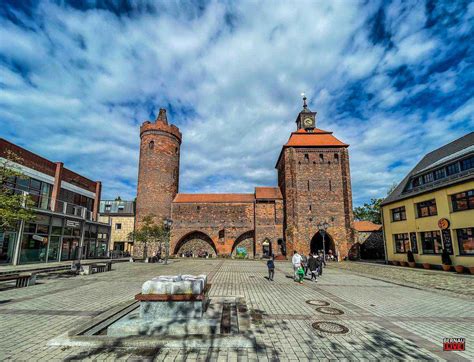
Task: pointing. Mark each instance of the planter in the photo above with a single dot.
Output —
(426, 265)
(446, 267)
(394, 262)
(471, 270)
(459, 269)
(411, 264)
(403, 263)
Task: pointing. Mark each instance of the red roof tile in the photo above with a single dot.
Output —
(268, 193)
(214, 198)
(317, 138)
(366, 226)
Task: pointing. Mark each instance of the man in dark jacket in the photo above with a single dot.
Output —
(313, 265)
(271, 267)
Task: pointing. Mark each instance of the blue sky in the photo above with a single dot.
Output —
(393, 79)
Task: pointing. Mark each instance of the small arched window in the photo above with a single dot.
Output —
(336, 157)
(176, 150)
(151, 145)
(321, 157)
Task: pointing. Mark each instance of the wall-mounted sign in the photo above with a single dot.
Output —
(73, 224)
(448, 244)
(443, 223)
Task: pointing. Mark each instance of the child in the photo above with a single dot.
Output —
(300, 273)
(271, 268)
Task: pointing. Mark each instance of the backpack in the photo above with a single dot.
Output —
(270, 264)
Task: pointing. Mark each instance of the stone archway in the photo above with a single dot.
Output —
(245, 241)
(316, 244)
(197, 243)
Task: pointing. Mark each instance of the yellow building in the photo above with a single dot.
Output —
(433, 208)
(121, 216)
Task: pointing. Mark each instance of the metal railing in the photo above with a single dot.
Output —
(41, 202)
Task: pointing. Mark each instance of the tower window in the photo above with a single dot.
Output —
(198, 208)
(151, 145)
(306, 158)
(308, 185)
(310, 207)
(336, 157)
(321, 157)
(176, 150)
(330, 185)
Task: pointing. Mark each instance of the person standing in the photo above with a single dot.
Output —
(296, 261)
(313, 266)
(271, 267)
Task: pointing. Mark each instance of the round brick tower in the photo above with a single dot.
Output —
(158, 170)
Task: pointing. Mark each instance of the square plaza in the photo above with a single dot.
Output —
(388, 313)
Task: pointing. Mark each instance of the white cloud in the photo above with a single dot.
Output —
(77, 84)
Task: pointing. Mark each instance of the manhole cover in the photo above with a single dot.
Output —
(330, 327)
(318, 303)
(329, 310)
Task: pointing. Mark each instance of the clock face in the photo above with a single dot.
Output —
(308, 122)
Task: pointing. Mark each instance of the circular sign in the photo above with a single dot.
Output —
(443, 223)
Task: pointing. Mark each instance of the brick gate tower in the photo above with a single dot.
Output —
(158, 169)
(314, 179)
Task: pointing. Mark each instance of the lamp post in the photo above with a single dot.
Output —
(167, 223)
(322, 227)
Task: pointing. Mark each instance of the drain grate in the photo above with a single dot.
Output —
(329, 310)
(317, 302)
(330, 327)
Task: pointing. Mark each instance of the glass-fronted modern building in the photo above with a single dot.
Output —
(66, 207)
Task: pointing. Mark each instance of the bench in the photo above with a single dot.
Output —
(22, 280)
(88, 269)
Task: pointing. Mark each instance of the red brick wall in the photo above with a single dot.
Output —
(316, 190)
(210, 218)
(268, 225)
(158, 171)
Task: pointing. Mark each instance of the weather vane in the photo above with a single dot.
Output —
(304, 100)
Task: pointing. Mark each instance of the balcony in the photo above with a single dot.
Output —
(43, 203)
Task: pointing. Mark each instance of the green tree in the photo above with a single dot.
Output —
(150, 232)
(371, 211)
(13, 207)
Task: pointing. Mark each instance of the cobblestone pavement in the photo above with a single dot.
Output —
(383, 320)
(448, 282)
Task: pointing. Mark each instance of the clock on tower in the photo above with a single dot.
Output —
(306, 119)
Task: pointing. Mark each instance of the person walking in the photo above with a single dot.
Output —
(271, 267)
(322, 263)
(313, 267)
(304, 263)
(296, 261)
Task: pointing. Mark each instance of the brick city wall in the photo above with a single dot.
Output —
(316, 187)
(268, 225)
(222, 223)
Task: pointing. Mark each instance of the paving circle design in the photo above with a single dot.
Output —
(329, 310)
(330, 327)
(318, 303)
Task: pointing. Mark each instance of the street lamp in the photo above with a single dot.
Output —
(322, 227)
(167, 223)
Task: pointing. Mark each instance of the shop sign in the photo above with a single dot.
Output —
(73, 224)
(43, 239)
(448, 244)
(443, 223)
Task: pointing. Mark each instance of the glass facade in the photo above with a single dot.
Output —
(7, 246)
(50, 239)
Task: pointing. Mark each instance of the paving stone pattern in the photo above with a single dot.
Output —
(385, 320)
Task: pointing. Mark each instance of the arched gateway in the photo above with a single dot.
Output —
(195, 241)
(317, 243)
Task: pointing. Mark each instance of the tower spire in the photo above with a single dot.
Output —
(162, 116)
(305, 106)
